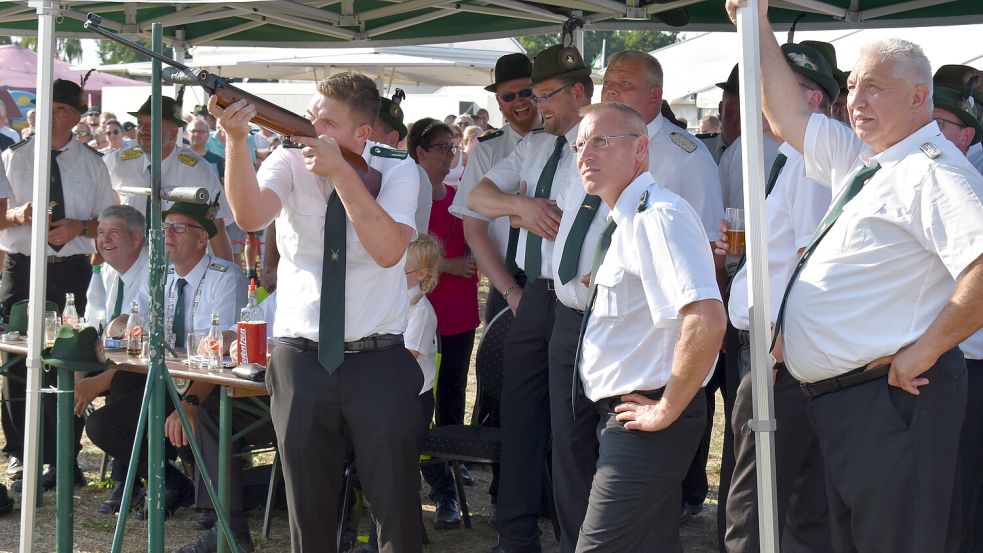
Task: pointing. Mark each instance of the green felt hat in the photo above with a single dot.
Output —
(957, 77)
(74, 350)
(558, 62)
(169, 109)
(204, 214)
(391, 113)
(18, 315)
(828, 51)
(956, 102)
(810, 63)
(731, 85)
(509, 68)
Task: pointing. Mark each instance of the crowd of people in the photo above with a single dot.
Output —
(601, 230)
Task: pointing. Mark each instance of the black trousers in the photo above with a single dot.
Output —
(803, 521)
(372, 398)
(891, 460)
(967, 520)
(574, 427)
(437, 475)
(69, 276)
(525, 417)
(452, 380)
(635, 495)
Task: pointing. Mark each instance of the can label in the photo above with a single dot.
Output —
(252, 342)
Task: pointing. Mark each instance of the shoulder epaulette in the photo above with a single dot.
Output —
(170, 270)
(218, 267)
(931, 150)
(537, 130)
(93, 150)
(491, 135)
(388, 153)
(706, 135)
(21, 143)
(130, 153)
(187, 159)
(643, 202)
(683, 142)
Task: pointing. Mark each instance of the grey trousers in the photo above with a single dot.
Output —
(636, 492)
(967, 520)
(891, 460)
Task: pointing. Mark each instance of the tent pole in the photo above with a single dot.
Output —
(46, 10)
(763, 422)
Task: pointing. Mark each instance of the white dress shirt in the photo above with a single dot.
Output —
(421, 337)
(526, 163)
(6, 191)
(483, 157)
(10, 133)
(136, 285)
(887, 267)
(690, 173)
(975, 155)
(131, 167)
(214, 285)
(376, 299)
(731, 171)
(659, 262)
(574, 294)
(793, 210)
(85, 185)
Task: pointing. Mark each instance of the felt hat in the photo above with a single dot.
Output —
(18, 315)
(809, 63)
(509, 68)
(828, 51)
(169, 109)
(204, 214)
(68, 93)
(731, 85)
(958, 77)
(392, 114)
(956, 102)
(74, 350)
(558, 62)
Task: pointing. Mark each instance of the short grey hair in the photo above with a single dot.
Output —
(134, 220)
(908, 55)
(653, 69)
(630, 120)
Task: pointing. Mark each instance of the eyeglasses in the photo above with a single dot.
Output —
(943, 122)
(113, 132)
(81, 133)
(599, 142)
(446, 148)
(179, 228)
(197, 132)
(538, 99)
(511, 96)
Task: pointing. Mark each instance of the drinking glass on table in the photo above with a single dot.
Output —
(52, 322)
(735, 232)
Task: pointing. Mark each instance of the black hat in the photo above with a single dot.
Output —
(958, 76)
(129, 125)
(74, 350)
(811, 64)
(558, 62)
(510, 67)
(391, 113)
(956, 102)
(68, 93)
(731, 84)
(94, 110)
(829, 52)
(200, 110)
(204, 214)
(169, 109)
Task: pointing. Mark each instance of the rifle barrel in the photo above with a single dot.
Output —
(92, 23)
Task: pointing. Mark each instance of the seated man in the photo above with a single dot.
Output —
(197, 285)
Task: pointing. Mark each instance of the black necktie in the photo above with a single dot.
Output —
(331, 324)
(859, 180)
(570, 258)
(118, 308)
(56, 193)
(534, 242)
(177, 325)
(776, 169)
(513, 246)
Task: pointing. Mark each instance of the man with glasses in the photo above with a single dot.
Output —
(651, 330)
(527, 186)
(179, 166)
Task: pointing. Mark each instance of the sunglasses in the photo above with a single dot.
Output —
(113, 132)
(81, 133)
(510, 96)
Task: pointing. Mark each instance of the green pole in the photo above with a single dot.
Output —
(224, 448)
(65, 460)
(155, 424)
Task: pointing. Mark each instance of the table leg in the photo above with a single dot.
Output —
(224, 458)
(65, 464)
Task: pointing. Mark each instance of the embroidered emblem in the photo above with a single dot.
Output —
(801, 60)
(685, 143)
(131, 153)
(389, 153)
(931, 150)
(643, 202)
(335, 255)
(187, 159)
(218, 267)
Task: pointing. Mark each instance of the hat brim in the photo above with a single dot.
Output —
(965, 117)
(575, 74)
(74, 366)
(179, 122)
(828, 83)
(209, 226)
(394, 123)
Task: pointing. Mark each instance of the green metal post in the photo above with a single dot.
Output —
(224, 455)
(65, 460)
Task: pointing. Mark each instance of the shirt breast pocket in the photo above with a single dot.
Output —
(611, 300)
(856, 221)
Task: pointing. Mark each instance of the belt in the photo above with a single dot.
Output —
(375, 342)
(743, 337)
(546, 283)
(846, 380)
(610, 403)
(51, 259)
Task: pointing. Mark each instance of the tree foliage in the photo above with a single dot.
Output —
(113, 52)
(617, 41)
(69, 49)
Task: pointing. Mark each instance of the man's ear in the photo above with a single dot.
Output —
(920, 98)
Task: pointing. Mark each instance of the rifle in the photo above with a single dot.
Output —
(268, 115)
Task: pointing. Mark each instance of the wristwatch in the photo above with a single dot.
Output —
(191, 400)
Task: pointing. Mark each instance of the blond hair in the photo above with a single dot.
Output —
(429, 254)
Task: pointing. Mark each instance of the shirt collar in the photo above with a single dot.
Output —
(911, 143)
(655, 125)
(134, 271)
(627, 204)
(195, 274)
(571, 135)
(788, 151)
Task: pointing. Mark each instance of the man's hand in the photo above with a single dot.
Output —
(20, 215)
(88, 389)
(513, 300)
(64, 231)
(538, 215)
(732, 5)
(906, 367)
(720, 244)
(172, 426)
(322, 155)
(641, 413)
(234, 118)
(459, 266)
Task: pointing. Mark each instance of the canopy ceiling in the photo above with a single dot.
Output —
(354, 23)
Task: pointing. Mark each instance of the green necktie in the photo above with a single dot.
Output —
(603, 243)
(57, 194)
(776, 169)
(177, 325)
(859, 180)
(118, 308)
(570, 258)
(534, 242)
(510, 250)
(331, 324)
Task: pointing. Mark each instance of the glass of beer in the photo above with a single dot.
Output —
(735, 232)
(52, 322)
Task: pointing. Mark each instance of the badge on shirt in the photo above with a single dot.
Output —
(388, 153)
(218, 267)
(931, 150)
(683, 142)
(643, 202)
(187, 160)
(131, 153)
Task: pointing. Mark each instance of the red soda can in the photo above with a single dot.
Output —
(252, 342)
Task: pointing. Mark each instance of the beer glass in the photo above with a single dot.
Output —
(735, 232)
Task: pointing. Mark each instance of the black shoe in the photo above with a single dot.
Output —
(466, 478)
(208, 542)
(15, 468)
(448, 514)
(113, 503)
(689, 511)
(6, 502)
(50, 477)
(204, 519)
